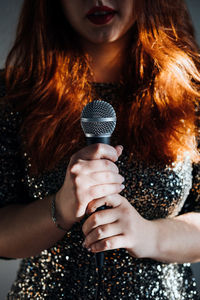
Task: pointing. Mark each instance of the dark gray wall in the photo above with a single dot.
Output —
(9, 10)
(194, 8)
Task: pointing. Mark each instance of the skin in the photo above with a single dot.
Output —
(120, 226)
(113, 31)
(92, 177)
(105, 44)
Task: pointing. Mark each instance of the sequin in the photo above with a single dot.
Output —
(67, 270)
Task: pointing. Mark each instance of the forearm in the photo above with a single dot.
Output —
(26, 230)
(178, 239)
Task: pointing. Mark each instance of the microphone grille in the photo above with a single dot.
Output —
(98, 118)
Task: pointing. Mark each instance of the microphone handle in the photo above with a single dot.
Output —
(98, 139)
(104, 140)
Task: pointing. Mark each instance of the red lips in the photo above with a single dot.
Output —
(100, 15)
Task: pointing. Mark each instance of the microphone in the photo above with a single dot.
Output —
(98, 121)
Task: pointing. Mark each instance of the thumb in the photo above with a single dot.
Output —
(119, 149)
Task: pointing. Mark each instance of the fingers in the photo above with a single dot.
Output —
(110, 243)
(97, 151)
(91, 174)
(100, 218)
(89, 166)
(106, 229)
(103, 190)
(102, 232)
(99, 184)
(104, 178)
(110, 201)
(119, 149)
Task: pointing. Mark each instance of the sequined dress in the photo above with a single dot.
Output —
(67, 270)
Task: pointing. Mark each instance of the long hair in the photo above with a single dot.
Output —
(49, 79)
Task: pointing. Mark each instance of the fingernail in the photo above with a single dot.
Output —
(89, 249)
(122, 186)
(121, 147)
(84, 244)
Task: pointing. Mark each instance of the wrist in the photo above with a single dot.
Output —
(61, 220)
(154, 239)
(160, 241)
(147, 245)
(151, 248)
(55, 215)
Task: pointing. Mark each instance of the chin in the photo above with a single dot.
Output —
(100, 42)
(101, 39)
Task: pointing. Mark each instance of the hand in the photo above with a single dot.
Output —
(91, 174)
(119, 226)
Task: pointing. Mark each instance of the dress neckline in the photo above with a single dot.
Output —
(107, 84)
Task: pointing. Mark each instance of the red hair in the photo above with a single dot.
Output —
(48, 74)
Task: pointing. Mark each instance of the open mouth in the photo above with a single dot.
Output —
(100, 15)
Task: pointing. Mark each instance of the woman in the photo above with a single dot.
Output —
(141, 56)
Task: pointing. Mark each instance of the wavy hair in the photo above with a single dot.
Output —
(49, 79)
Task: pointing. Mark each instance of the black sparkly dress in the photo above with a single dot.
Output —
(67, 270)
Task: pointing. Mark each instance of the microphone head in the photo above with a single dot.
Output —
(98, 119)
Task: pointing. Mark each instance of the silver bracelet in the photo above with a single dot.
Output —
(53, 213)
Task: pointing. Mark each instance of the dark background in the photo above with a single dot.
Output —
(9, 11)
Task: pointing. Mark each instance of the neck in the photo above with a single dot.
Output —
(107, 59)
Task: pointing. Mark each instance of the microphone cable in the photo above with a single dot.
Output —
(100, 287)
(100, 263)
